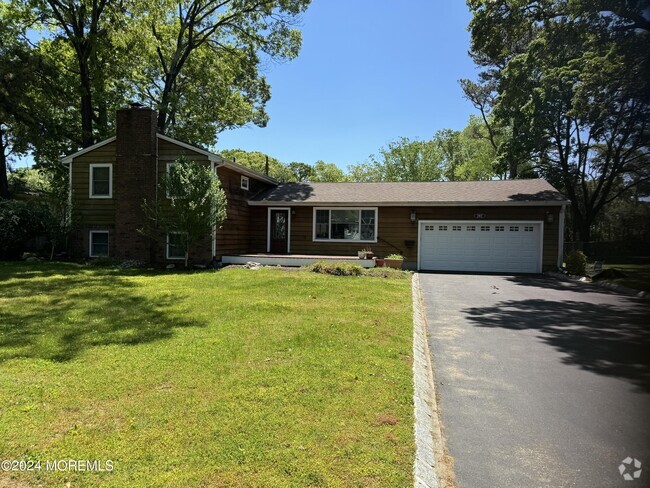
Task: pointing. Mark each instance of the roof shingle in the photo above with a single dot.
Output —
(495, 192)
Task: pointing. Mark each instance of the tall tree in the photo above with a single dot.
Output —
(257, 161)
(220, 44)
(402, 160)
(327, 172)
(572, 84)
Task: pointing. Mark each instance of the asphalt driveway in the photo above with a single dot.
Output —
(540, 382)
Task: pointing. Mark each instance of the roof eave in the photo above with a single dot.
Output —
(68, 159)
(544, 203)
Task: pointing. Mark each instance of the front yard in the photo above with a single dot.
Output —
(229, 378)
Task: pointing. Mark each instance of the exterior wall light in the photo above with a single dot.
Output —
(549, 218)
(413, 215)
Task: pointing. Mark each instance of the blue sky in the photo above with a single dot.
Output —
(369, 72)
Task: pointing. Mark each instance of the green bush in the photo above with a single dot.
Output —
(576, 263)
(19, 222)
(336, 268)
(392, 273)
(395, 256)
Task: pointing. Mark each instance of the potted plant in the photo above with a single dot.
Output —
(394, 261)
(365, 254)
(379, 262)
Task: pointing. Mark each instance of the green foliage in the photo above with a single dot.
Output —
(199, 63)
(570, 81)
(197, 204)
(392, 273)
(327, 173)
(576, 263)
(402, 160)
(257, 161)
(336, 268)
(19, 222)
(395, 256)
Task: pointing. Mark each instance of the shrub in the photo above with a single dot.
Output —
(392, 273)
(395, 256)
(576, 263)
(336, 268)
(19, 222)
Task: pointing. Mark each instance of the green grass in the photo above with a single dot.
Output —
(229, 378)
(638, 275)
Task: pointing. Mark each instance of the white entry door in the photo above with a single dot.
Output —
(497, 247)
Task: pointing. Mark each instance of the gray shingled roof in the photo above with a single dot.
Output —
(499, 192)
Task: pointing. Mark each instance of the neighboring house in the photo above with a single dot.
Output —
(499, 226)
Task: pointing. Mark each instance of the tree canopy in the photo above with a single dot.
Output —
(198, 62)
(568, 84)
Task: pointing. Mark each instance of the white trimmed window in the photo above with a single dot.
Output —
(345, 224)
(98, 247)
(101, 181)
(245, 183)
(175, 248)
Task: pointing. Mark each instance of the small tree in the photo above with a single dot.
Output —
(197, 204)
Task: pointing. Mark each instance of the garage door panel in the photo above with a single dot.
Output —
(479, 246)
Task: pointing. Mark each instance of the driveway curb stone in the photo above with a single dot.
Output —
(427, 426)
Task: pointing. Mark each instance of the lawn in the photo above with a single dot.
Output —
(638, 275)
(228, 378)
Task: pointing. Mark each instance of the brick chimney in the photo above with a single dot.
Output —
(135, 179)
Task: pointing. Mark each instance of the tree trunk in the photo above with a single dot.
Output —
(4, 184)
(86, 103)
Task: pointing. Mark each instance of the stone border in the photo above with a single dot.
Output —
(428, 436)
(609, 285)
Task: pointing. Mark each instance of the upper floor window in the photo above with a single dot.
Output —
(101, 181)
(245, 183)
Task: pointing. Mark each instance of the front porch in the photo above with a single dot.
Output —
(293, 259)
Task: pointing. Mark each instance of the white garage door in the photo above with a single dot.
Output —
(498, 247)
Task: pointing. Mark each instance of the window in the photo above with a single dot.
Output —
(101, 181)
(499, 228)
(345, 224)
(429, 227)
(175, 247)
(456, 227)
(98, 244)
(244, 183)
(442, 227)
(514, 228)
(471, 228)
(485, 228)
(528, 228)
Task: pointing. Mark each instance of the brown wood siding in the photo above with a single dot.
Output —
(86, 209)
(234, 235)
(395, 229)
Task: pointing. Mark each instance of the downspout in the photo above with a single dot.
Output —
(560, 238)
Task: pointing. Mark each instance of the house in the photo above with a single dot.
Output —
(491, 226)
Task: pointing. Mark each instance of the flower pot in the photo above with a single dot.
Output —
(379, 262)
(370, 255)
(393, 263)
(361, 254)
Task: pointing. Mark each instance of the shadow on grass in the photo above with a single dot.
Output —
(56, 312)
(605, 339)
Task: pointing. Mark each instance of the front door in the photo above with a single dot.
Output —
(279, 231)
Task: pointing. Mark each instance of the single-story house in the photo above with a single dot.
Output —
(488, 226)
